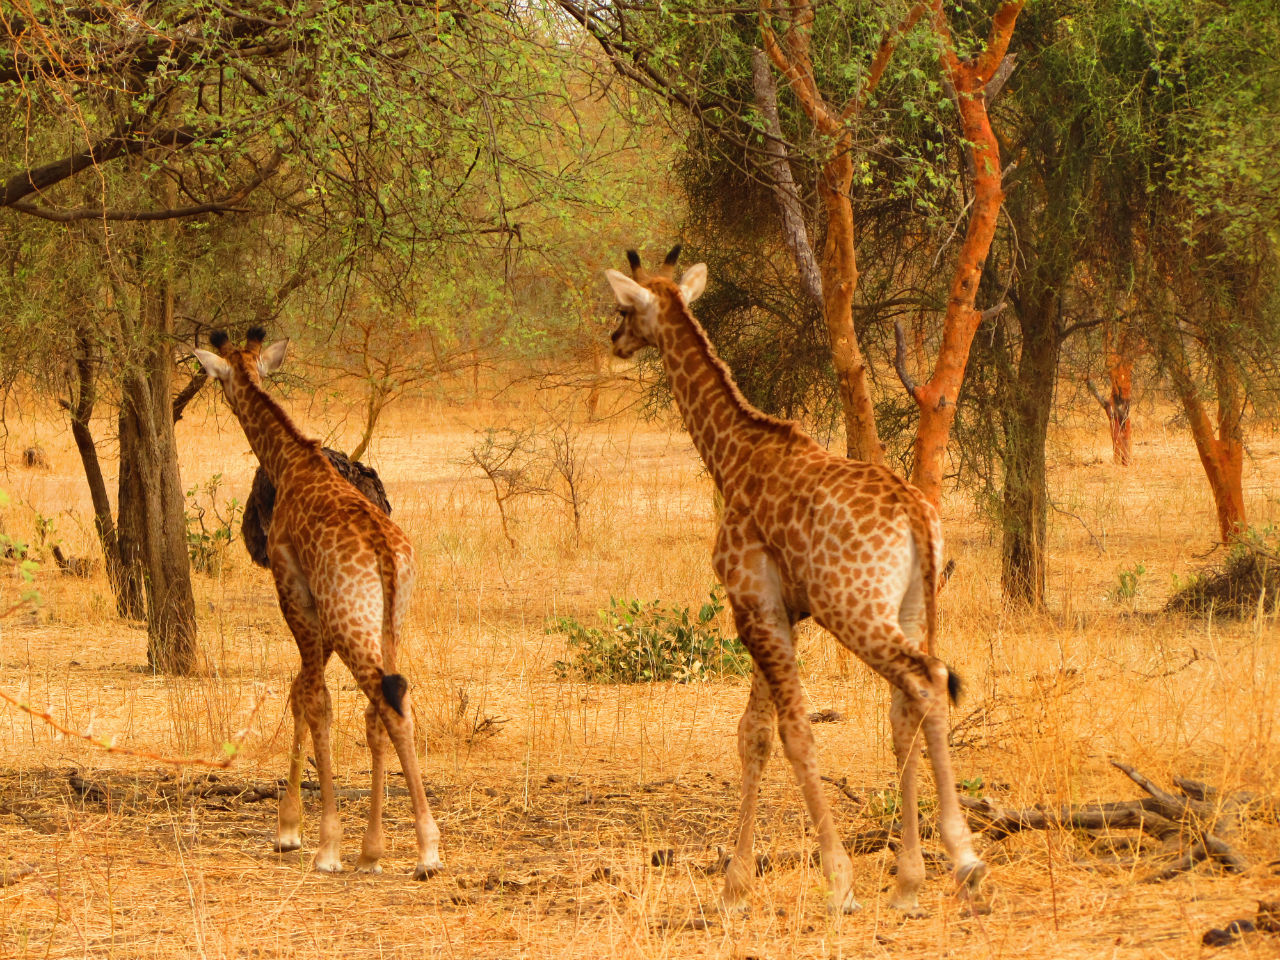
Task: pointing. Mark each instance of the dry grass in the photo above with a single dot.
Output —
(550, 823)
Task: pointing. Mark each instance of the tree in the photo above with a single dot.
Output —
(162, 148)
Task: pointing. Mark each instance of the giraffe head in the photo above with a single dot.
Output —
(639, 298)
(234, 367)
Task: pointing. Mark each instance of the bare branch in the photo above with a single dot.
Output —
(900, 359)
(784, 184)
(1000, 77)
(1103, 401)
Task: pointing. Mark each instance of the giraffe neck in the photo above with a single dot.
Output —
(275, 440)
(725, 428)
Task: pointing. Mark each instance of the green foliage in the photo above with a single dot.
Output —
(639, 642)
(210, 530)
(1128, 580)
(15, 555)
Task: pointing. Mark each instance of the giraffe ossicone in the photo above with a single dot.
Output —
(806, 533)
(344, 575)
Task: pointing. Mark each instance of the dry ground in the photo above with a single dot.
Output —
(550, 824)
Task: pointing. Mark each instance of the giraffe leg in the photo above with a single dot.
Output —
(906, 747)
(319, 713)
(956, 837)
(371, 848)
(766, 631)
(400, 730)
(755, 743)
(289, 819)
(298, 607)
(923, 681)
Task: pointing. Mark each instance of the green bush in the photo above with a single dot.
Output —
(639, 642)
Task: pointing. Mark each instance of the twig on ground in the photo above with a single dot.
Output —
(231, 748)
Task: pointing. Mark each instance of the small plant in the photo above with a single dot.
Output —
(15, 555)
(1127, 582)
(640, 642)
(209, 532)
(973, 786)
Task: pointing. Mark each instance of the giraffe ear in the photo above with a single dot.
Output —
(213, 364)
(693, 281)
(271, 357)
(628, 292)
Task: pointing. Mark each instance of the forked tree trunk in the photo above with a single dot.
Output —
(152, 521)
(126, 581)
(936, 398)
(838, 267)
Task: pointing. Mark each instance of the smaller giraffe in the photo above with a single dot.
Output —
(343, 574)
(806, 533)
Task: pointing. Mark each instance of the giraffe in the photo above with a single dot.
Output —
(806, 533)
(343, 574)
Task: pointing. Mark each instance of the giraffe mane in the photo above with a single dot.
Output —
(278, 412)
(719, 367)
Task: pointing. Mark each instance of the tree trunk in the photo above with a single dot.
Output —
(1025, 509)
(839, 282)
(937, 398)
(838, 267)
(152, 508)
(1221, 453)
(126, 583)
(1120, 374)
(1118, 402)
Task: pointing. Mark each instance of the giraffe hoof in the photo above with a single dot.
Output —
(970, 876)
(371, 867)
(328, 866)
(424, 872)
(843, 905)
(911, 912)
(286, 844)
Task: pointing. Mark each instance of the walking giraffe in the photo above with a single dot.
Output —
(343, 573)
(807, 533)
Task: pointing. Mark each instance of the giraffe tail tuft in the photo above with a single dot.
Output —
(954, 685)
(394, 687)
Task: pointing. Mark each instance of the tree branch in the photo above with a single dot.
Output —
(1000, 77)
(1102, 401)
(784, 185)
(22, 185)
(900, 360)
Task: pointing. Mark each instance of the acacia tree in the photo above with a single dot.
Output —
(139, 136)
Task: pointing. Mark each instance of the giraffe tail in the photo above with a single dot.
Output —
(394, 687)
